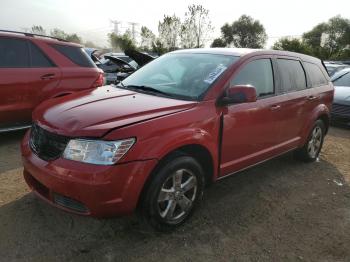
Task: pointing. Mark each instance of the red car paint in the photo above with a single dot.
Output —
(235, 136)
(22, 89)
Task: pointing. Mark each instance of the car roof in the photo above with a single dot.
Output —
(43, 38)
(245, 51)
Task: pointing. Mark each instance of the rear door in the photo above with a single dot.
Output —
(293, 94)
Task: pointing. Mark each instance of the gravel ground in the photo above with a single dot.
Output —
(282, 210)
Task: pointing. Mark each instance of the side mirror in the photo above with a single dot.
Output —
(239, 94)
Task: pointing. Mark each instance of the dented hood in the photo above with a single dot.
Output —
(94, 113)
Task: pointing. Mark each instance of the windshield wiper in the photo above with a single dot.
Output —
(146, 89)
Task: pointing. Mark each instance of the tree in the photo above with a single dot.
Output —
(147, 38)
(158, 47)
(38, 29)
(294, 45)
(122, 42)
(218, 42)
(58, 33)
(245, 32)
(196, 27)
(169, 31)
(329, 40)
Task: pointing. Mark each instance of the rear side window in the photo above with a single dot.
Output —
(14, 53)
(315, 74)
(344, 80)
(76, 54)
(38, 58)
(292, 75)
(259, 74)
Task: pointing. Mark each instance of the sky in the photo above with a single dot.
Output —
(92, 19)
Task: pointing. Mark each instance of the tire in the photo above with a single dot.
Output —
(175, 190)
(312, 148)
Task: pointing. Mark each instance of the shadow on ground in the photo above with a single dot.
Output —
(281, 210)
(9, 154)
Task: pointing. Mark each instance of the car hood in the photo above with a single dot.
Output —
(342, 95)
(95, 113)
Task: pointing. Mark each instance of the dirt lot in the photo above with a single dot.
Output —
(282, 210)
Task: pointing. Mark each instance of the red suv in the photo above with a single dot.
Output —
(34, 68)
(184, 120)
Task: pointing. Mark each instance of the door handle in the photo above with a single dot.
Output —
(47, 77)
(275, 107)
(311, 98)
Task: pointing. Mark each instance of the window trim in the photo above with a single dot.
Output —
(42, 52)
(27, 46)
(281, 89)
(308, 75)
(253, 59)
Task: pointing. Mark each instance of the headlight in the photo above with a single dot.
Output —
(96, 151)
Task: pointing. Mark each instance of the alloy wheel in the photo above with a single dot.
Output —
(177, 195)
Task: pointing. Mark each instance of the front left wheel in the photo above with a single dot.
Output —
(173, 193)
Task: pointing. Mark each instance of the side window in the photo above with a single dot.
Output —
(14, 53)
(315, 74)
(76, 54)
(344, 80)
(259, 74)
(292, 75)
(38, 58)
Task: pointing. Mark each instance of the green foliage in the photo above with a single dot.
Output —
(218, 42)
(147, 38)
(330, 40)
(196, 27)
(169, 31)
(122, 42)
(293, 45)
(158, 47)
(245, 32)
(38, 29)
(63, 35)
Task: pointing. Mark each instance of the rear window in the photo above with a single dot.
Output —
(14, 53)
(38, 58)
(76, 54)
(315, 74)
(292, 75)
(344, 80)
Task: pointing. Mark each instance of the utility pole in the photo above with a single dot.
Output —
(133, 30)
(116, 26)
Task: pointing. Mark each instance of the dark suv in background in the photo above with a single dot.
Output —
(34, 68)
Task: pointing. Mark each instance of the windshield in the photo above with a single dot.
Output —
(186, 76)
(343, 80)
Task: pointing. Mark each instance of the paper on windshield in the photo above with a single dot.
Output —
(213, 75)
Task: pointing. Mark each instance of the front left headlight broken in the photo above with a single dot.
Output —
(97, 151)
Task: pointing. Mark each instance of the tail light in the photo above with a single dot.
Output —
(99, 81)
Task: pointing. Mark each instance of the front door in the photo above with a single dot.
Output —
(250, 129)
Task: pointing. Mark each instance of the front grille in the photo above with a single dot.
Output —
(69, 203)
(341, 110)
(47, 145)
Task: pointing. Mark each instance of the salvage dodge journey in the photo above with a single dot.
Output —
(154, 141)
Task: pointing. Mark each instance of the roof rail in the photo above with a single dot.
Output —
(32, 35)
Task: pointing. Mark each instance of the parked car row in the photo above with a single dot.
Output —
(165, 129)
(333, 67)
(118, 66)
(341, 104)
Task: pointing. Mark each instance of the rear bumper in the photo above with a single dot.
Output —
(340, 114)
(85, 189)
